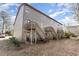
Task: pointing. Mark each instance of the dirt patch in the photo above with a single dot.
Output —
(64, 47)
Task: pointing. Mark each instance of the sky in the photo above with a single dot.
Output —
(62, 12)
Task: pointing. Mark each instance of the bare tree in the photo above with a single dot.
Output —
(5, 18)
(76, 10)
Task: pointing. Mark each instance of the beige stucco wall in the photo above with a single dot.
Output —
(41, 19)
(18, 25)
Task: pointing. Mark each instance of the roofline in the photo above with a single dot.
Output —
(35, 10)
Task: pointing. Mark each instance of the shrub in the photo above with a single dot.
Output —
(8, 32)
(73, 35)
(67, 34)
(15, 42)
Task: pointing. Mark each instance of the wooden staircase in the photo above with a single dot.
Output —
(36, 32)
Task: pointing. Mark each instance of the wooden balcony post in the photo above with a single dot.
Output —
(31, 34)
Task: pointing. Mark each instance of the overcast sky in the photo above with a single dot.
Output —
(59, 11)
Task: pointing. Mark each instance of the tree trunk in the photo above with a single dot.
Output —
(3, 27)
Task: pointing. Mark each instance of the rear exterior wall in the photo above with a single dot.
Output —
(42, 20)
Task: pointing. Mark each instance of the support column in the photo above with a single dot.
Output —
(31, 34)
(25, 36)
(35, 37)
